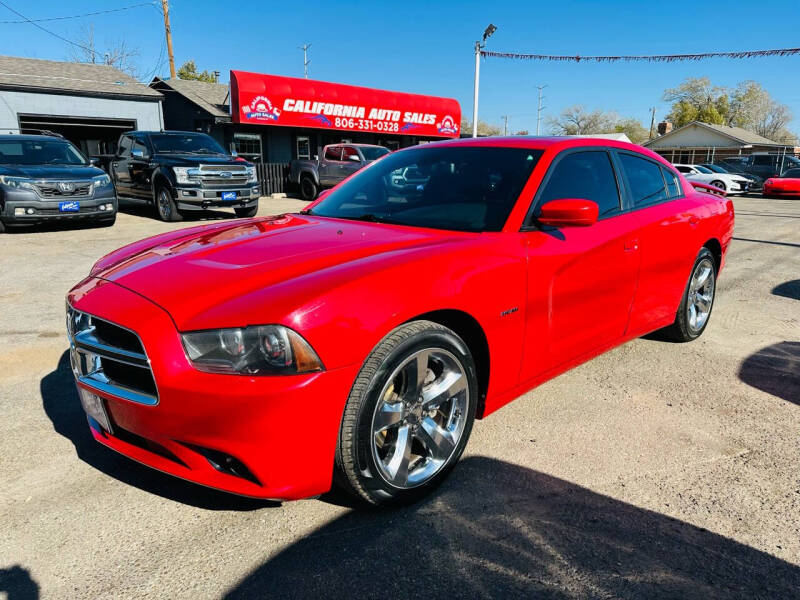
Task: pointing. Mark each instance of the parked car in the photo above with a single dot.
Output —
(46, 178)
(367, 332)
(731, 184)
(763, 165)
(338, 162)
(755, 181)
(180, 171)
(785, 186)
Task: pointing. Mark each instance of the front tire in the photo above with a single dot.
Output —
(308, 188)
(165, 205)
(246, 212)
(719, 184)
(409, 414)
(2, 226)
(698, 300)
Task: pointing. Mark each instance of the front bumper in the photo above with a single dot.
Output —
(282, 429)
(199, 198)
(782, 192)
(46, 209)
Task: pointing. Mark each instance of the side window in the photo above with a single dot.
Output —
(644, 179)
(673, 184)
(125, 144)
(683, 169)
(762, 160)
(333, 153)
(588, 175)
(348, 152)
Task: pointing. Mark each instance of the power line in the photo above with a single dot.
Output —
(62, 38)
(645, 58)
(91, 14)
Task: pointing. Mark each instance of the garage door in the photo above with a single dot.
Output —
(94, 136)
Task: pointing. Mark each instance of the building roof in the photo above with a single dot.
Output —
(33, 74)
(742, 136)
(214, 98)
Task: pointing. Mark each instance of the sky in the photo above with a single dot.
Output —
(428, 47)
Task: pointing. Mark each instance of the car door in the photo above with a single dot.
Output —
(119, 166)
(668, 218)
(581, 280)
(139, 168)
(329, 165)
(352, 161)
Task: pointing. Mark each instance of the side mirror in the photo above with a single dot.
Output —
(234, 153)
(94, 161)
(569, 212)
(354, 158)
(137, 154)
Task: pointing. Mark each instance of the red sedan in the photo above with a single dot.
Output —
(363, 335)
(785, 186)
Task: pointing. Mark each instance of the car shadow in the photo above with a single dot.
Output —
(498, 530)
(148, 212)
(18, 584)
(62, 405)
(788, 289)
(775, 370)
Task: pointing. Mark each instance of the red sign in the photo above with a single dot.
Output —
(295, 102)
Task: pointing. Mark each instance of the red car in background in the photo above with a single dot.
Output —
(363, 335)
(785, 186)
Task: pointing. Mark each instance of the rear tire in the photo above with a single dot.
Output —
(246, 212)
(166, 210)
(308, 188)
(694, 311)
(409, 415)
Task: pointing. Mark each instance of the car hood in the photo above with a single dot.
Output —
(51, 171)
(193, 273)
(190, 160)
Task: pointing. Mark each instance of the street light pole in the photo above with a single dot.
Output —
(539, 108)
(478, 45)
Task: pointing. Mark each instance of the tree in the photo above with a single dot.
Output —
(484, 128)
(697, 100)
(634, 129)
(753, 108)
(118, 55)
(189, 70)
(576, 120)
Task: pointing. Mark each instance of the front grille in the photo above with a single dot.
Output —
(223, 182)
(220, 176)
(110, 358)
(73, 189)
(230, 168)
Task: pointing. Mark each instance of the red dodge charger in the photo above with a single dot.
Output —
(361, 337)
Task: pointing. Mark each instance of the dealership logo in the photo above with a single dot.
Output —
(261, 109)
(448, 125)
(66, 186)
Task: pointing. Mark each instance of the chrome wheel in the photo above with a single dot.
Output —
(164, 205)
(701, 295)
(420, 417)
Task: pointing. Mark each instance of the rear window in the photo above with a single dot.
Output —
(673, 184)
(644, 179)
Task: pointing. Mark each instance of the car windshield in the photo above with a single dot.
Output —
(703, 169)
(716, 168)
(793, 173)
(40, 152)
(455, 188)
(373, 152)
(185, 143)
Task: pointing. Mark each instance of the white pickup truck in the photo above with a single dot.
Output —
(338, 162)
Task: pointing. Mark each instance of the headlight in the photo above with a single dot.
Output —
(768, 182)
(101, 181)
(261, 350)
(19, 183)
(186, 174)
(251, 175)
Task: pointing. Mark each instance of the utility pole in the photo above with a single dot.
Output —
(539, 108)
(505, 124)
(652, 121)
(478, 45)
(168, 31)
(306, 62)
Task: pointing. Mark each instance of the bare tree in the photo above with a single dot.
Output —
(753, 108)
(118, 55)
(576, 120)
(484, 128)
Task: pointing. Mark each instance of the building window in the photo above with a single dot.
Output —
(248, 146)
(303, 148)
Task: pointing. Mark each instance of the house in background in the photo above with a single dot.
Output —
(699, 142)
(89, 104)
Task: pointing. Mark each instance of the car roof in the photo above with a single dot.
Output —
(166, 131)
(30, 137)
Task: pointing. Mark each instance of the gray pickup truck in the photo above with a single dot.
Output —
(338, 162)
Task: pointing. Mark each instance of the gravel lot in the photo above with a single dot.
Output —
(656, 470)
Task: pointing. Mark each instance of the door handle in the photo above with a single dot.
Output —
(631, 245)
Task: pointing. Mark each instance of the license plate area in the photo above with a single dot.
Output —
(229, 196)
(69, 206)
(95, 407)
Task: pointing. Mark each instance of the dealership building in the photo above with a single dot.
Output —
(275, 119)
(89, 104)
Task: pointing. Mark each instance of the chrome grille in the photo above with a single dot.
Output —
(110, 358)
(64, 189)
(221, 176)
